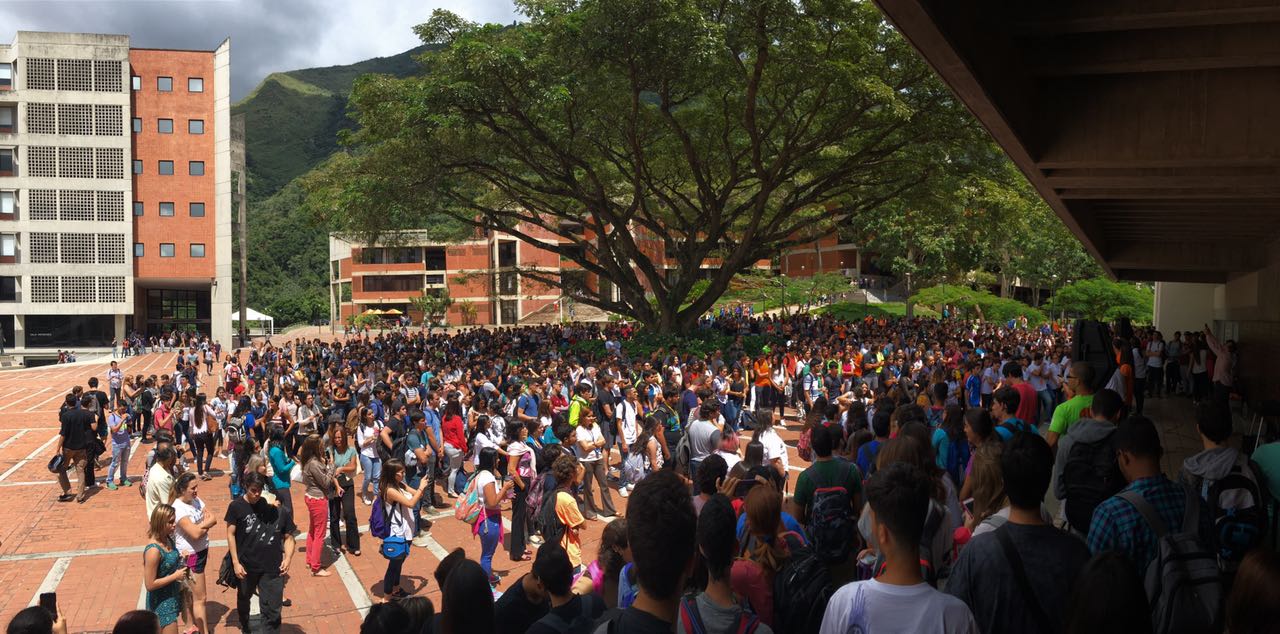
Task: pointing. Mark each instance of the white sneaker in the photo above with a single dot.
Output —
(624, 491)
(421, 540)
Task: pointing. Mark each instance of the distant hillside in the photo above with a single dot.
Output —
(292, 120)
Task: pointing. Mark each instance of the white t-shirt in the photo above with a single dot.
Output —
(774, 447)
(627, 421)
(872, 607)
(592, 435)
(1156, 361)
(196, 513)
(484, 479)
(363, 433)
(400, 519)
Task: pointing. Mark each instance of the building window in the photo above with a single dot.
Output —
(6, 161)
(195, 84)
(7, 202)
(6, 76)
(166, 249)
(8, 245)
(138, 249)
(8, 293)
(196, 168)
(8, 119)
(164, 84)
(197, 250)
(195, 126)
(137, 208)
(166, 168)
(164, 126)
(137, 125)
(137, 82)
(197, 210)
(166, 209)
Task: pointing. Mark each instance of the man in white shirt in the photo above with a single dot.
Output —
(898, 600)
(1155, 354)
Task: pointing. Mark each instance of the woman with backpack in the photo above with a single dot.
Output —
(950, 445)
(764, 551)
(489, 525)
(453, 428)
(396, 501)
(202, 429)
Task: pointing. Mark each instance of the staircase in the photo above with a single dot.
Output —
(550, 314)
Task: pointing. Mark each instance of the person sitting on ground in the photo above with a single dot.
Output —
(717, 610)
(570, 613)
(1087, 444)
(1117, 524)
(898, 600)
(661, 528)
(987, 576)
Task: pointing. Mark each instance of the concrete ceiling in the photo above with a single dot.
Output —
(1152, 127)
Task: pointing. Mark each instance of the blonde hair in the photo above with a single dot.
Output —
(158, 529)
(988, 481)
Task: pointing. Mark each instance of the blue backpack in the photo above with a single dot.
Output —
(957, 458)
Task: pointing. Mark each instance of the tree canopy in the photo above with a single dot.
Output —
(1101, 299)
(641, 139)
(979, 304)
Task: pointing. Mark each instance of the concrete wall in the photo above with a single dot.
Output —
(1184, 307)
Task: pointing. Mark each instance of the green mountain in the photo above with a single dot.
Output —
(292, 121)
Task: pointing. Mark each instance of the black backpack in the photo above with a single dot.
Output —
(1237, 508)
(552, 528)
(1090, 475)
(831, 524)
(801, 590)
(399, 445)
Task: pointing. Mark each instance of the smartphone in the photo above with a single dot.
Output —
(968, 505)
(49, 601)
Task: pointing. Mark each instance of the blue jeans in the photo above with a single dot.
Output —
(234, 480)
(119, 458)
(490, 530)
(372, 471)
(1045, 411)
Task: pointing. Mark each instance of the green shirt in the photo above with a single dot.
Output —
(1268, 459)
(827, 473)
(1067, 413)
(575, 409)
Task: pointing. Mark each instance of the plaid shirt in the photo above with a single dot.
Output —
(1117, 524)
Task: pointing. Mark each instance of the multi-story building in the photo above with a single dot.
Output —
(115, 192)
(486, 276)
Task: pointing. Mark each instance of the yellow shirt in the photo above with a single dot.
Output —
(567, 512)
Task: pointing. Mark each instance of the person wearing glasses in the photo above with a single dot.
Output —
(1080, 388)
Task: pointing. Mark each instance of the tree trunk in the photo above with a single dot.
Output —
(1004, 274)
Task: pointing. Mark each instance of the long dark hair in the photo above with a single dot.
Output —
(953, 423)
(467, 604)
(198, 413)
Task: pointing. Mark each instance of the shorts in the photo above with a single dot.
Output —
(197, 561)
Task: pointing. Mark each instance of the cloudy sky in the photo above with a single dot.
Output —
(266, 35)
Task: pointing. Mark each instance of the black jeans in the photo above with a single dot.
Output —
(286, 498)
(270, 587)
(391, 580)
(1139, 394)
(203, 446)
(345, 507)
(519, 524)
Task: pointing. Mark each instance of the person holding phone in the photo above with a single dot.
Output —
(162, 569)
(192, 541)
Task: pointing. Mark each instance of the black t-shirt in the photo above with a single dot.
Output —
(513, 611)
(573, 614)
(633, 621)
(76, 428)
(260, 531)
(605, 398)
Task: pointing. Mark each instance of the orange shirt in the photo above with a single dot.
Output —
(763, 375)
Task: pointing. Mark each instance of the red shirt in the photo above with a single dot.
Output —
(1029, 404)
(454, 434)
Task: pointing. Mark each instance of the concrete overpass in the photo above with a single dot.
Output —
(1151, 127)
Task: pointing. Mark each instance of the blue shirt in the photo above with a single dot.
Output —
(867, 456)
(433, 423)
(417, 440)
(1017, 424)
(281, 465)
(528, 404)
(379, 412)
(1118, 525)
(973, 389)
(788, 523)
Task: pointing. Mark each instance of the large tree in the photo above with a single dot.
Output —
(627, 135)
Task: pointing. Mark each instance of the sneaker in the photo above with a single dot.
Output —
(127, 482)
(111, 486)
(421, 540)
(366, 500)
(624, 491)
(536, 540)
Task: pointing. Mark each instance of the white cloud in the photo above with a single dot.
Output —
(266, 35)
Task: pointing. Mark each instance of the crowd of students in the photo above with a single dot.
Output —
(933, 444)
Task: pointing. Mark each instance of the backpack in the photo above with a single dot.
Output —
(1090, 475)
(580, 624)
(379, 520)
(1183, 582)
(1236, 505)
(801, 590)
(692, 619)
(469, 508)
(831, 523)
(552, 528)
(146, 400)
(234, 429)
(533, 498)
(399, 445)
(804, 447)
(684, 454)
(956, 459)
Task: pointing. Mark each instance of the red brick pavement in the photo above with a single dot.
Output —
(102, 539)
